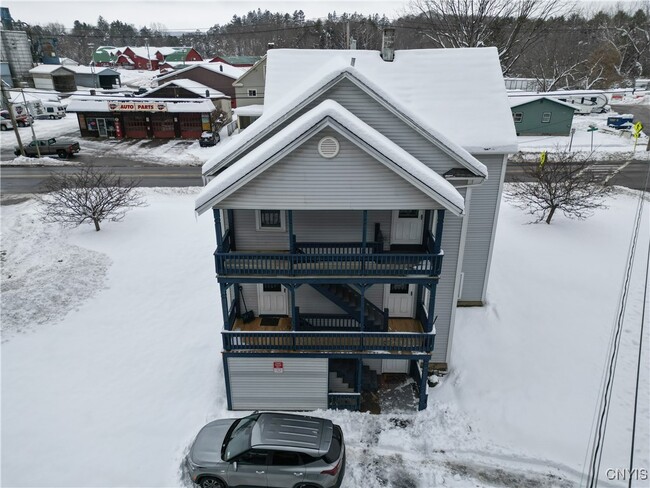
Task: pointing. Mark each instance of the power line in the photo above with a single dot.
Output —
(610, 368)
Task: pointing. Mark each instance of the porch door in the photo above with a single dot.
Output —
(101, 126)
(399, 299)
(407, 227)
(272, 299)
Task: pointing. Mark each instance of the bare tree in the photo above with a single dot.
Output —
(512, 26)
(564, 183)
(88, 195)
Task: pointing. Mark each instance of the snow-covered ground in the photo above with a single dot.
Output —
(111, 356)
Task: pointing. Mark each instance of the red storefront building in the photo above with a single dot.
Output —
(143, 119)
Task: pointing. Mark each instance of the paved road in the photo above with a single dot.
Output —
(29, 179)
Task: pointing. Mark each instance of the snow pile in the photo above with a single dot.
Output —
(129, 375)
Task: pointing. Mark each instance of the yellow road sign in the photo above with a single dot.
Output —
(638, 127)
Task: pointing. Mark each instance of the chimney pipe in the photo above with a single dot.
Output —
(270, 45)
(207, 93)
(221, 67)
(388, 44)
(352, 61)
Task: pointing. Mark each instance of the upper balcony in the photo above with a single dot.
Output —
(330, 259)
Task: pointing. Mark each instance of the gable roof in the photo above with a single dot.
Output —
(459, 92)
(249, 70)
(220, 68)
(275, 114)
(237, 60)
(516, 101)
(51, 68)
(331, 113)
(192, 86)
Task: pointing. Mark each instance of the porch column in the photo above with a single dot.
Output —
(292, 241)
(423, 384)
(362, 318)
(217, 227)
(359, 375)
(431, 306)
(427, 226)
(231, 228)
(226, 376)
(237, 299)
(294, 309)
(223, 289)
(365, 230)
(439, 225)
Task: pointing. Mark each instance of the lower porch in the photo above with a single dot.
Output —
(375, 383)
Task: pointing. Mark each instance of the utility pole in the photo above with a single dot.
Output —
(31, 126)
(10, 109)
(146, 43)
(347, 35)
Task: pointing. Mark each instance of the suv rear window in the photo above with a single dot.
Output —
(335, 447)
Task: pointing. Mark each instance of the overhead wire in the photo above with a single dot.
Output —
(599, 434)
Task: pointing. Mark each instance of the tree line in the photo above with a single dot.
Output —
(538, 39)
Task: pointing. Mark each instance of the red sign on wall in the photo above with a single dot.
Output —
(278, 367)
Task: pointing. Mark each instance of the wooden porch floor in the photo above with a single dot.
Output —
(284, 325)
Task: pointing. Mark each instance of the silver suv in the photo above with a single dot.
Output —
(274, 450)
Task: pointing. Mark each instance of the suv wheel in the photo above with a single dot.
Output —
(62, 154)
(211, 483)
(4, 127)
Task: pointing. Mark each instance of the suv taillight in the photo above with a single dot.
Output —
(334, 471)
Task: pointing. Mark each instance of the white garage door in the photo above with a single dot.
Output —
(278, 383)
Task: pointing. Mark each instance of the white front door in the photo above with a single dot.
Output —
(272, 299)
(399, 299)
(407, 227)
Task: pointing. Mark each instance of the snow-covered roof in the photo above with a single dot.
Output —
(515, 101)
(276, 113)
(458, 92)
(221, 68)
(397, 159)
(250, 110)
(176, 105)
(18, 97)
(192, 86)
(87, 70)
(49, 68)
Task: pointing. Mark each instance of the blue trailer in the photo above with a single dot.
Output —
(625, 121)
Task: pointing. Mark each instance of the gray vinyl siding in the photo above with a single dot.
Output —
(254, 80)
(303, 384)
(310, 226)
(445, 301)
(376, 116)
(305, 180)
(249, 295)
(482, 214)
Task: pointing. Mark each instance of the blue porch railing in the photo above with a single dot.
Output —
(327, 341)
(344, 401)
(286, 264)
(339, 248)
(320, 321)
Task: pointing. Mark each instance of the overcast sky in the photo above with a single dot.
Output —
(202, 14)
(182, 14)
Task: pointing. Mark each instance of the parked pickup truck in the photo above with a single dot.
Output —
(64, 148)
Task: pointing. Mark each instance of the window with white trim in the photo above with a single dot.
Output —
(518, 116)
(546, 117)
(270, 220)
(252, 93)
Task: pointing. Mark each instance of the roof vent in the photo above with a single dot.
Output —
(221, 67)
(353, 61)
(328, 147)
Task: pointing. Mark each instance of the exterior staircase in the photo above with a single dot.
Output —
(348, 299)
(342, 377)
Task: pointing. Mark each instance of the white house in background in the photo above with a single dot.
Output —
(351, 219)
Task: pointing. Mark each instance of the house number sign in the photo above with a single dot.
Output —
(278, 367)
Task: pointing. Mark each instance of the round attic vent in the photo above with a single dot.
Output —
(328, 147)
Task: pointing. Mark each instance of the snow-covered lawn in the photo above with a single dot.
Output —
(111, 356)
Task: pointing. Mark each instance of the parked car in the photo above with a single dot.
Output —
(209, 139)
(22, 119)
(5, 124)
(277, 450)
(64, 148)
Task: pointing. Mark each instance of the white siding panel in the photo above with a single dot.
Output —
(303, 384)
(306, 180)
(43, 83)
(482, 214)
